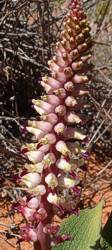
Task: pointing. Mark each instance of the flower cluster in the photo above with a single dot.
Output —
(51, 180)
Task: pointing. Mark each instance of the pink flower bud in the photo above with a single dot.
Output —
(55, 84)
(66, 45)
(50, 118)
(37, 132)
(48, 89)
(49, 159)
(39, 110)
(28, 233)
(44, 148)
(42, 107)
(66, 182)
(80, 79)
(45, 126)
(31, 180)
(33, 203)
(51, 180)
(60, 110)
(82, 47)
(63, 165)
(69, 86)
(53, 66)
(48, 139)
(65, 35)
(68, 72)
(53, 198)
(60, 49)
(28, 213)
(74, 54)
(59, 128)
(85, 58)
(62, 148)
(70, 101)
(52, 99)
(35, 156)
(60, 61)
(35, 167)
(77, 65)
(72, 118)
(60, 76)
(38, 190)
(61, 93)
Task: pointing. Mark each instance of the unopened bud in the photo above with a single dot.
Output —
(48, 139)
(52, 118)
(70, 101)
(80, 38)
(66, 182)
(28, 233)
(39, 190)
(69, 86)
(35, 167)
(31, 180)
(49, 159)
(53, 199)
(63, 165)
(72, 118)
(74, 54)
(82, 47)
(51, 180)
(33, 203)
(77, 65)
(59, 128)
(61, 93)
(37, 132)
(80, 79)
(68, 72)
(61, 110)
(35, 156)
(62, 148)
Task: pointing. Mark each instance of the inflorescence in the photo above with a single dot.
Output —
(50, 179)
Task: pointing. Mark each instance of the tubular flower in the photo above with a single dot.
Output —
(51, 178)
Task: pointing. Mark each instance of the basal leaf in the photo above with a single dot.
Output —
(84, 230)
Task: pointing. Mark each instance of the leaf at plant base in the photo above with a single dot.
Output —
(106, 240)
(84, 230)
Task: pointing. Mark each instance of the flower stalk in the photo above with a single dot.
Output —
(51, 180)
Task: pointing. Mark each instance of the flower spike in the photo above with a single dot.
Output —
(51, 178)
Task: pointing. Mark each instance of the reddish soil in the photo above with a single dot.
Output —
(99, 185)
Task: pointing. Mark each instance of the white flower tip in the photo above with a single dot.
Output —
(39, 190)
(64, 165)
(31, 180)
(51, 180)
(49, 159)
(69, 183)
(53, 199)
(33, 203)
(62, 148)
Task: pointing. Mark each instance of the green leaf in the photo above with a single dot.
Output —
(84, 230)
(106, 240)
